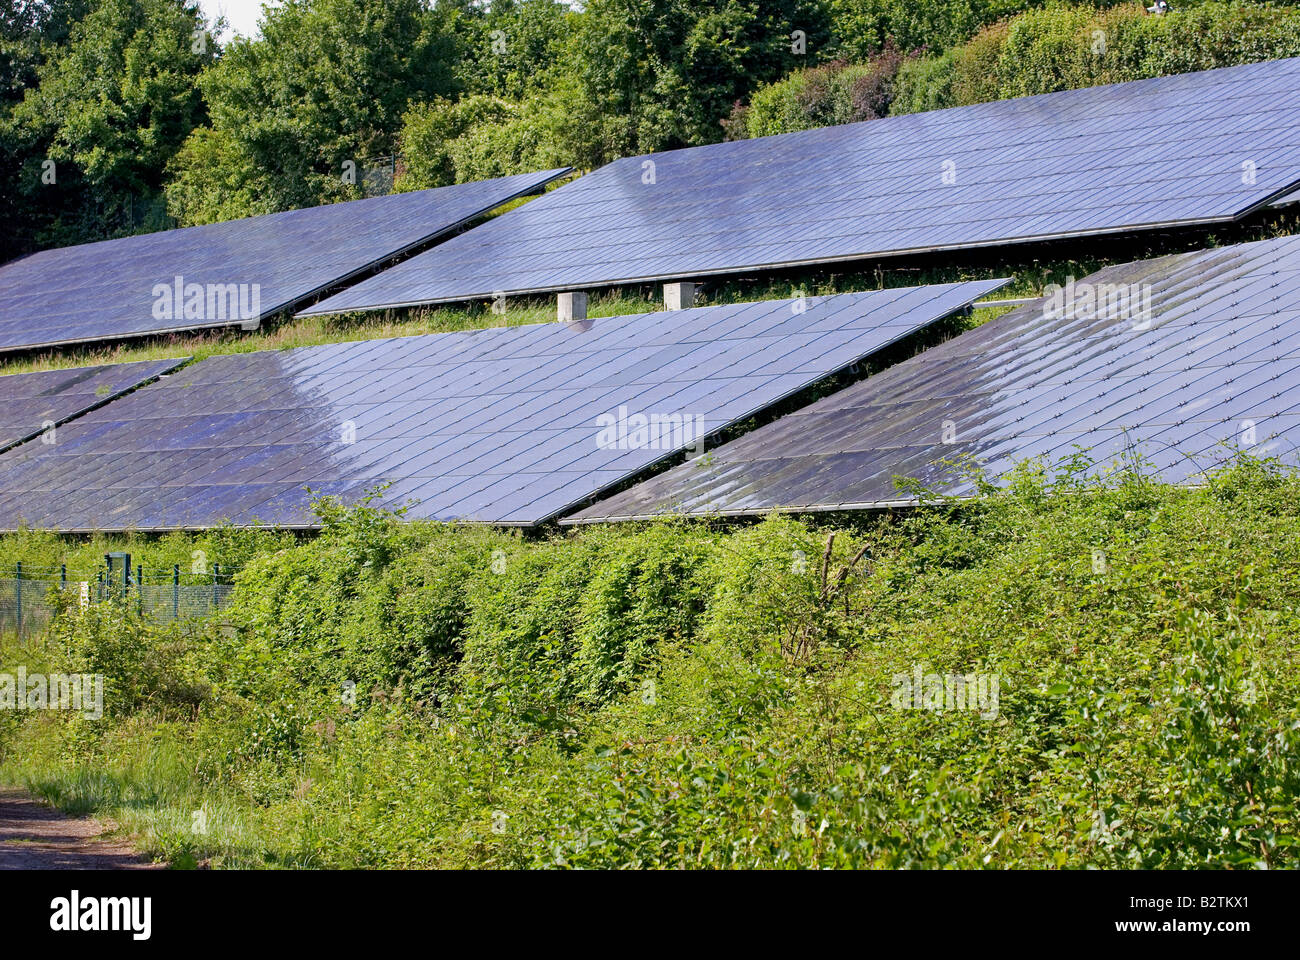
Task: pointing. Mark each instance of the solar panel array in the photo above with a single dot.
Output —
(32, 403)
(127, 287)
(510, 426)
(1193, 148)
(1174, 363)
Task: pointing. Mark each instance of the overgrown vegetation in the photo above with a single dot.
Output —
(685, 694)
(1057, 46)
(127, 115)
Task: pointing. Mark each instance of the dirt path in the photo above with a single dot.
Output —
(36, 837)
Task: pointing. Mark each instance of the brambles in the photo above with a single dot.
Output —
(687, 694)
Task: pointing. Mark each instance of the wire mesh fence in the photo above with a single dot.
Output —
(28, 596)
(25, 609)
(379, 175)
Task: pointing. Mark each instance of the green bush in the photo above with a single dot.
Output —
(146, 667)
(482, 137)
(1064, 47)
(372, 605)
(863, 27)
(571, 622)
(818, 97)
(1049, 47)
(682, 694)
(429, 131)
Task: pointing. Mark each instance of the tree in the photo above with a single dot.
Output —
(27, 27)
(213, 179)
(27, 31)
(832, 93)
(514, 48)
(324, 88)
(665, 73)
(103, 112)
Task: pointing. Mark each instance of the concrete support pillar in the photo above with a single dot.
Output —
(679, 296)
(570, 307)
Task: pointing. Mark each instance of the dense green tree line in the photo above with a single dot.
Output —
(118, 116)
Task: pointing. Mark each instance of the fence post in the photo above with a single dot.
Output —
(176, 591)
(216, 572)
(18, 598)
(63, 592)
(126, 571)
(139, 588)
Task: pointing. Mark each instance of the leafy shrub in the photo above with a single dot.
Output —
(371, 605)
(575, 621)
(1064, 47)
(1047, 48)
(863, 27)
(429, 131)
(820, 96)
(687, 694)
(146, 666)
(648, 588)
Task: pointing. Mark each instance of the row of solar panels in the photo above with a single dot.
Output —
(521, 426)
(1178, 362)
(513, 425)
(228, 274)
(1196, 148)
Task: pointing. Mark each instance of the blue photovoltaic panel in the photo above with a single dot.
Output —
(1194, 148)
(499, 426)
(106, 291)
(1188, 359)
(30, 403)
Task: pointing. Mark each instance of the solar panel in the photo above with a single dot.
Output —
(1202, 360)
(226, 274)
(1193, 148)
(511, 426)
(1287, 200)
(32, 404)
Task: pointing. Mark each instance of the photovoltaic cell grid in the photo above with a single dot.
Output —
(105, 291)
(499, 426)
(1213, 367)
(1194, 148)
(31, 402)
